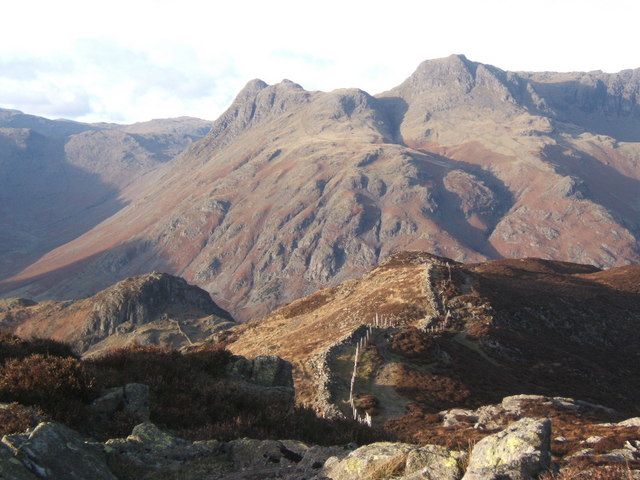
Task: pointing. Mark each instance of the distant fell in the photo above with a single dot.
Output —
(294, 190)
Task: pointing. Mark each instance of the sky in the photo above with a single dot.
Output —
(135, 60)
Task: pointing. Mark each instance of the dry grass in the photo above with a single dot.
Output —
(393, 467)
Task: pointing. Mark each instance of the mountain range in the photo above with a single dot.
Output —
(452, 263)
(292, 190)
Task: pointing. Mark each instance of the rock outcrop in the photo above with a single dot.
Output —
(149, 450)
(52, 450)
(151, 309)
(265, 370)
(397, 460)
(519, 452)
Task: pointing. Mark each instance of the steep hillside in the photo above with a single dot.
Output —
(446, 335)
(293, 190)
(60, 178)
(152, 309)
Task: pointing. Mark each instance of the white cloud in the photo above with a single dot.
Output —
(131, 61)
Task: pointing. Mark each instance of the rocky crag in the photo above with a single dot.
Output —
(294, 190)
(151, 309)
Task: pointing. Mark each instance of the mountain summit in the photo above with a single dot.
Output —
(293, 190)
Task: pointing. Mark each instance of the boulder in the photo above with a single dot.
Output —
(396, 460)
(433, 462)
(265, 370)
(629, 452)
(519, 452)
(54, 451)
(133, 398)
(149, 449)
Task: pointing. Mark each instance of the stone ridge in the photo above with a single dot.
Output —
(443, 334)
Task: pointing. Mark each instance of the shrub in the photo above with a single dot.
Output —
(189, 396)
(59, 386)
(16, 418)
(12, 346)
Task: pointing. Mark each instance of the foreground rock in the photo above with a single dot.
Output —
(397, 460)
(519, 452)
(54, 451)
(148, 451)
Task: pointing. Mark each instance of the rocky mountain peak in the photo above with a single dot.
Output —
(139, 299)
(255, 102)
(453, 72)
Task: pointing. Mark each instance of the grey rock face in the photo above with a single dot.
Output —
(54, 451)
(139, 300)
(519, 452)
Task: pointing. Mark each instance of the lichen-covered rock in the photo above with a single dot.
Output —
(400, 460)
(316, 456)
(11, 468)
(148, 445)
(433, 462)
(54, 451)
(519, 452)
(154, 438)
